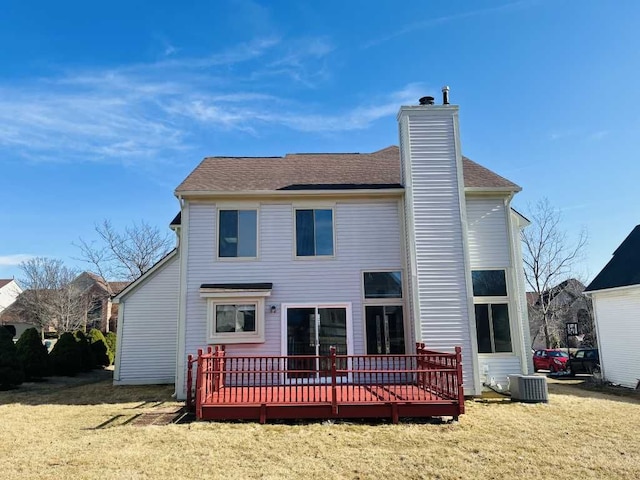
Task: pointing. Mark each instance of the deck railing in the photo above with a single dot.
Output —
(222, 379)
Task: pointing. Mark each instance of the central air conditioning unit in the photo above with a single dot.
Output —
(528, 389)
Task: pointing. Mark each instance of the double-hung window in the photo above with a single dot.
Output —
(491, 304)
(314, 232)
(384, 320)
(237, 233)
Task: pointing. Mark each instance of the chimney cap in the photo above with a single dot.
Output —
(427, 100)
(445, 88)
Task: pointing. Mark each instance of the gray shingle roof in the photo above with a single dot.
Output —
(232, 174)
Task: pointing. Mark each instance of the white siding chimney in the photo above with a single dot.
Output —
(435, 222)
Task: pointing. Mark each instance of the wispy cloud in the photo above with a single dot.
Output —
(599, 135)
(579, 134)
(147, 113)
(13, 260)
(435, 21)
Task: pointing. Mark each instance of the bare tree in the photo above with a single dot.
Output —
(549, 258)
(124, 255)
(50, 298)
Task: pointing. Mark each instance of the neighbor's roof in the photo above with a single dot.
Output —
(117, 287)
(303, 171)
(623, 269)
(5, 281)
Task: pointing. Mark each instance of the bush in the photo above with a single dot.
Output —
(33, 354)
(99, 348)
(111, 343)
(11, 374)
(87, 361)
(65, 357)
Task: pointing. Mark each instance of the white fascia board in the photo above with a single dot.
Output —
(426, 110)
(522, 220)
(612, 290)
(146, 276)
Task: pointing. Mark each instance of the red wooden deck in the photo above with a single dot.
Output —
(336, 386)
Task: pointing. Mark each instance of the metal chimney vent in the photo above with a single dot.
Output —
(445, 95)
(426, 101)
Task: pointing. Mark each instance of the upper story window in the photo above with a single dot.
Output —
(491, 305)
(237, 233)
(314, 232)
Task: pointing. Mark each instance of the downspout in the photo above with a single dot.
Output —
(182, 299)
(120, 328)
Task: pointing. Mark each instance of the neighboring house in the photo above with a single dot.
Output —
(9, 291)
(367, 252)
(103, 313)
(616, 304)
(567, 304)
(99, 312)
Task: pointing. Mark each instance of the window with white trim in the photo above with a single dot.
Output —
(383, 311)
(235, 320)
(237, 233)
(314, 232)
(491, 304)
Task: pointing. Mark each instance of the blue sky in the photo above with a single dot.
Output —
(105, 107)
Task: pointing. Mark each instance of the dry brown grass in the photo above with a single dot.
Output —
(579, 434)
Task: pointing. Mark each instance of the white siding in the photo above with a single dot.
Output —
(431, 167)
(498, 367)
(490, 247)
(8, 294)
(148, 336)
(523, 333)
(618, 320)
(487, 232)
(367, 238)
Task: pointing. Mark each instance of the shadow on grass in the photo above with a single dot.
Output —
(587, 387)
(93, 388)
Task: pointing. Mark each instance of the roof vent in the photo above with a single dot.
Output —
(445, 95)
(426, 101)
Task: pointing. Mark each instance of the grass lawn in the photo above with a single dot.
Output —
(50, 433)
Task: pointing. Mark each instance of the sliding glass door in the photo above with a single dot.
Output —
(310, 332)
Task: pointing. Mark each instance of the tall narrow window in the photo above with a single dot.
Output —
(314, 232)
(491, 305)
(237, 233)
(384, 321)
(385, 329)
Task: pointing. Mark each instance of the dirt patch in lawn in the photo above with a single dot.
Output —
(579, 434)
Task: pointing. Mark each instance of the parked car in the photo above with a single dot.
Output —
(586, 360)
(550, 359)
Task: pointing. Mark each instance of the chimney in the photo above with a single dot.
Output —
(434, 217)
(445, 95)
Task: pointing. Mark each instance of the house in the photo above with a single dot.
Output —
(566, 304)
(615, 292)
(9, 291)
(369, 253)
(102, 313)
(95, 309)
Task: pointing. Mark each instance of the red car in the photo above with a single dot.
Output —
(549, 359)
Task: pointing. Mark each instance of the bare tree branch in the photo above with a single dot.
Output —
(549, 259)
(125, 255)
(50, 298)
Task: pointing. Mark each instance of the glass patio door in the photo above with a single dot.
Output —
(312, 331)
